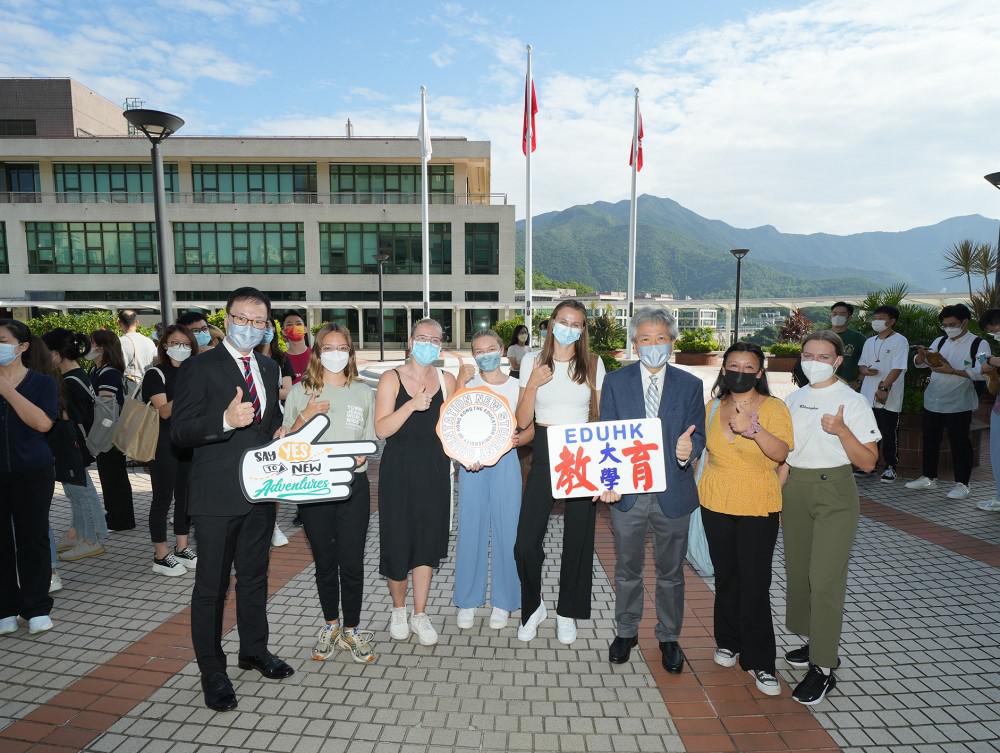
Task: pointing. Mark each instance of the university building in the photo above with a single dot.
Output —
(300, 218)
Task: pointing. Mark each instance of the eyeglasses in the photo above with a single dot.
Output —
(181, 345)
(242, 321)
(426, 339)
(200, 329)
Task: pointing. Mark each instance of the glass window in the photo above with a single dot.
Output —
(126, 183)
(254, 184)
(4, 267)
(482, 248)
(351, 248)
(90, 247)
(22, 180)
(390, 184)
(239, 247)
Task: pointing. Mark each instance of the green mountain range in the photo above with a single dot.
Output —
(682, 253)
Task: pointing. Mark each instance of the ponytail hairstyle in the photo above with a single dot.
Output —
(583, 367)
(313, 380)
(69, 346)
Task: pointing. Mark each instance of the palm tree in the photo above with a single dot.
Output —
(960, 260)
(985, 263)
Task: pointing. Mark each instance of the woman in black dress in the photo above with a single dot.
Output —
(414, 478)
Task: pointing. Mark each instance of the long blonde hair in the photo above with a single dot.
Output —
(313, 380)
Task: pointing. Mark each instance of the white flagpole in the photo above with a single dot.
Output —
(425, 236)
(529, 84)
(632, 216)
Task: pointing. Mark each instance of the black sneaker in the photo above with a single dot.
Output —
(296, 521)
(814, 686)
(799, 657)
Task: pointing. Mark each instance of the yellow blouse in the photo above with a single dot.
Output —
(739, 479)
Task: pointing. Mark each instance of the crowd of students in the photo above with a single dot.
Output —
(747, 461)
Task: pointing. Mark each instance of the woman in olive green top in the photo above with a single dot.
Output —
(337, 530)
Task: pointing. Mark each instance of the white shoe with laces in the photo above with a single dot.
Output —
(724, 657)
(989, 505)
(959, 491)
(529, 630)
(498, 618)
(169, 566)
(40, 624)
(8, 625)
(187, 557)
(766, 682)
(565, 629)
(399, 628)
(922, 483)
(466, 618)
(421, 625)
(278, 538)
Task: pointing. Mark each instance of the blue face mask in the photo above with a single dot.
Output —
(654, 356)
(8, 354)
(244, 337)
(488, 361)
(203, 339)
(268, 336)
(425, 353)
(566, 335)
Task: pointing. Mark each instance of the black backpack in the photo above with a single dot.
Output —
(979, 384)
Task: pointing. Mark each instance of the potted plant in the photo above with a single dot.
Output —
(607, 338)
(697, 347)
(783, 356)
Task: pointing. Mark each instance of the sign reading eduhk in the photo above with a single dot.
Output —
(298, 468)
(620, 456)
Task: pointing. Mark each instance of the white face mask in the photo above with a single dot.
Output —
(838, 321)
(953, 332)
(179, 354)
(879, 325)
(994, 335)
(817, 372)
(334, 360)
(92, 354)
(523, 337)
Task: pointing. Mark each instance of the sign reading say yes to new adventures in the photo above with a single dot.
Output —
(299, 468)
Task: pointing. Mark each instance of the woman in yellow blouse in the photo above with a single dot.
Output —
(748, 435)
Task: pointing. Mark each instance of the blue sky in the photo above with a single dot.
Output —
(829, 115)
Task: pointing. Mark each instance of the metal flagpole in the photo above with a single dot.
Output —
(528, 85)
(632, 216)
(425, 236)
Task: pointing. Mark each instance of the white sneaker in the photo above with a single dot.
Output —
(565, 629)
(8, 625)
(278, 538)
(959, 491)
(421, 625)
(922, 483)
(399, 628)
(66, 543)
(498, 619)
(55, 583)
(724, 657)
(187, 557)
(766, 682)
(466, 618)
(81, 551)
(989, 505)
(529, 630)
(38, 625)
(169, 566)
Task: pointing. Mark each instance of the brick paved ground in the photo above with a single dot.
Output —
(921, 660)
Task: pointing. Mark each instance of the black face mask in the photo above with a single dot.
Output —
(739, 381)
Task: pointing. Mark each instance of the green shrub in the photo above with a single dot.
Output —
(604, 332)
(610, 362)
(785, 350)
(700, 340)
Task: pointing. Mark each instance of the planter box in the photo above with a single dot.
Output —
(697, 359)
(781, 363)
(911, 446)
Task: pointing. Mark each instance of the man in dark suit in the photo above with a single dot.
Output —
(226, 401)
(649, 389)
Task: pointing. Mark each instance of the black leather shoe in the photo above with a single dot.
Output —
(268, 665)
(620, 649)
(219, 693)
(673, 657)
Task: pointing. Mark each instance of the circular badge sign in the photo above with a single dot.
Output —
(476, 426)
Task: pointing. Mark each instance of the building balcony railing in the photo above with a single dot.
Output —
(251, 197)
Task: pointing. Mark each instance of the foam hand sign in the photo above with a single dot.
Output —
(300, 469)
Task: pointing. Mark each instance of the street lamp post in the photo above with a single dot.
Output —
(739, 253)
(994, 179)
(157, 126)
(381, 259)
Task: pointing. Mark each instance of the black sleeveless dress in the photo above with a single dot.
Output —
(414, 492)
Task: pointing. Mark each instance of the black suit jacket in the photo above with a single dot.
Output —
(206, 385)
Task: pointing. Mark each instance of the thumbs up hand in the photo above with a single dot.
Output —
(684, 445)
(421, 401)
(740, 422)
(239, 414)
(834, 424)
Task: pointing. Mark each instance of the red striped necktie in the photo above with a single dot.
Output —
(251, 387)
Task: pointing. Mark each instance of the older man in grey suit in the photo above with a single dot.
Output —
(650, 389)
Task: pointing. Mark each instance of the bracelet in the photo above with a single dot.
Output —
(755, 427)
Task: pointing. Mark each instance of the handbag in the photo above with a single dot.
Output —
(138, 429)
(100, 434)
(697, 550)
(64, 441)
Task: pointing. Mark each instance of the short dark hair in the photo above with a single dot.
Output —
(720, 390)
(248, 294)
(190, 317)
(127, 317)
(989, 317)
(891, 311)
(958, 310)
(846, 305)
(161, 347)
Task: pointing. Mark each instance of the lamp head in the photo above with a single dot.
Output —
(993, 178)
(739, 253)
(382, 258)
(154, 124)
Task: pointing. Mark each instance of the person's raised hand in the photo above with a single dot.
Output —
(684, 445)
(239, 414)
(740, 422)
(834, 424)
(421, 401)
(540, 375)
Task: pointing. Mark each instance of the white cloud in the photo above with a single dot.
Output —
(443, 56)
(257, 12)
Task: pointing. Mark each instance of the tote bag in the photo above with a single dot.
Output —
(138, 429)
(697, 551)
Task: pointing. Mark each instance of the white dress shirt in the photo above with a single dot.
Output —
(258, 380)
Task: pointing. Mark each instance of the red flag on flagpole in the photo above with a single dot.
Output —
(634, 150)
(531, 108)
